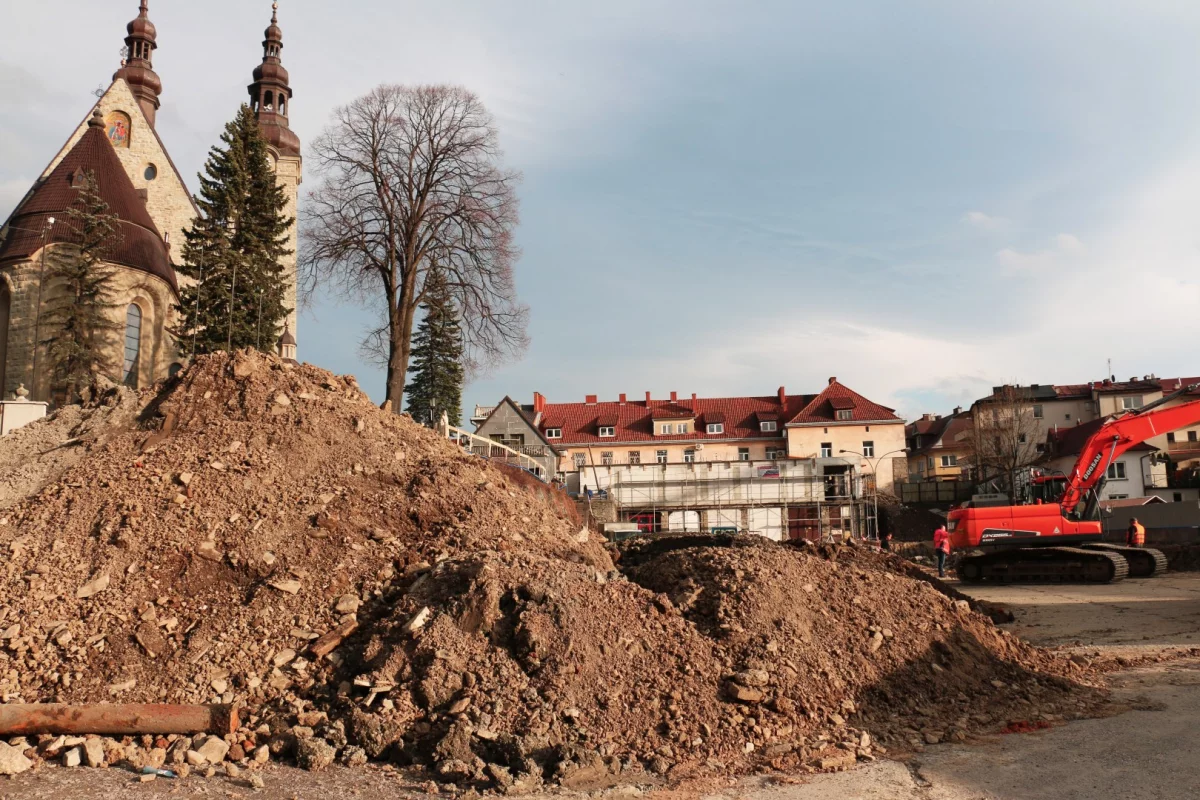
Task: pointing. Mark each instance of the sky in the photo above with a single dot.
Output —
(924, 199)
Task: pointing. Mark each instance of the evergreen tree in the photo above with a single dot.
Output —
(437, 353)
(78, 314)
(235, 246)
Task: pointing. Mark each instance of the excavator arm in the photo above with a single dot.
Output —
(1119, 434)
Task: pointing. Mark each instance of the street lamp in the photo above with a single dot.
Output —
(37, 313)
(875, 478)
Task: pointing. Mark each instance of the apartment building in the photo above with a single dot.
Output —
(1059, 417)
(784, 466)
(939, 447)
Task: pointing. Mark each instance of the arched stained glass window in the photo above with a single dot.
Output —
(133, 345)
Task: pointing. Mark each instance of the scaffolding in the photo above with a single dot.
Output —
(777, 499)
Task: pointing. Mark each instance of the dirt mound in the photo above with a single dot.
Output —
(36, 454)
(846, 641)
(260, 533)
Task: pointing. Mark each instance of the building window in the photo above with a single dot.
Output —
(580, 461)
(716, 427)
(773, 455)
(606, 459)
(607, 431)
(845, 414)
(1129, 403)
(1178, 497)
(1116, 472)
(826, 449)
(1068, 415)
(665, 430)
(553, 433)
(1041, 448)
(151, 172)
(635, 456)
(1022, 438)
(1171, 438)
(689, 456)
(1038, 413)
(930, 461)
(1118, 497)
(767, 426)
(743, 454)
(949, 461)
(681, 428)
(133, 345)
(1191, 436)
(869, 449)
(660, 456)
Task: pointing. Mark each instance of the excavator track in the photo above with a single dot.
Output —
(1144, 562)
(1044, 565)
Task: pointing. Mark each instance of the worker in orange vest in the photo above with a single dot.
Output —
(941, 546)
(1136, 535)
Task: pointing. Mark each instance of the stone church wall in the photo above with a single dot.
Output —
(151, 294)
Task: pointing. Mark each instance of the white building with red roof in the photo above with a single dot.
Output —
(785, 466)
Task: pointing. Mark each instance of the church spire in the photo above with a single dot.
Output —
(137, 68)
(270, 94)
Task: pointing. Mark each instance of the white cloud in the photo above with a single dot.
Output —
(985, 222)
(1065, 246)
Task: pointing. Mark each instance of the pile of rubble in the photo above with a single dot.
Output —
(259, 533)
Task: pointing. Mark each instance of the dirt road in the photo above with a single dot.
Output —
(1150, 751)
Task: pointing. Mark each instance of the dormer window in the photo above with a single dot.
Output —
(665, 430)
(844, 414)
(607, 431)
(768, 426)
(715, 427)
(553, 433)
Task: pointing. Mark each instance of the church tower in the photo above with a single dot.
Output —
(137, 68)
(271, 99)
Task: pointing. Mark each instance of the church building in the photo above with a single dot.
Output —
(117, 143)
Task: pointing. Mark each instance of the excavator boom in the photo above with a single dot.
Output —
(1118, 435)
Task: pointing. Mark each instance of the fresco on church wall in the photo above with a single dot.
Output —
(118, 126)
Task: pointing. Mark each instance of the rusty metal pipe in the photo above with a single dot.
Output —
(116, 720)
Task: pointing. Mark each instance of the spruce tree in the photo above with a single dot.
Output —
(437, 353)
(234, 248)
(77, 321)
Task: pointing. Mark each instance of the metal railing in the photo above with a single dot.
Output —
(492, 450)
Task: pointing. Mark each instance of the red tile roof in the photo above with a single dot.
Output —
(836, 397)
(673, 411)
(635, 420)
(740, 416)
(141, 246)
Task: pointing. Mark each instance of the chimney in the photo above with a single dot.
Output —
(833, 380)
(957, 410)
(590, 399)
(674, 396)
(927, 417)
(693, 401)
(622, 399)
(782, 396)
(647, 398)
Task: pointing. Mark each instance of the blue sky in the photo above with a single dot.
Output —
(921, 198)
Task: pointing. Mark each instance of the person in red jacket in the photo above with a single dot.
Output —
(941, 546)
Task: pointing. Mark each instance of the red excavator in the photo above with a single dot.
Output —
(1058, 538)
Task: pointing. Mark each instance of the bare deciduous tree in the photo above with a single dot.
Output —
(1004, 435)
(413, 181)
